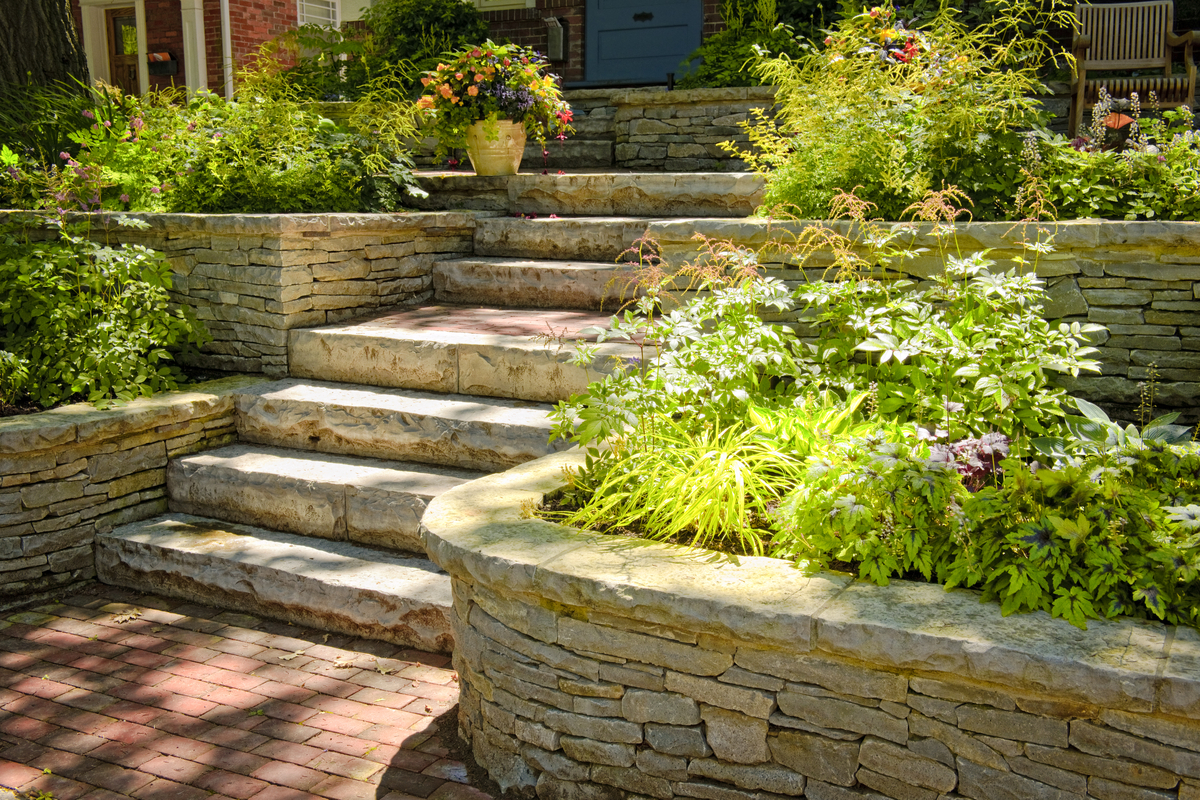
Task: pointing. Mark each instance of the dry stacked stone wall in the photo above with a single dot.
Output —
(681, 131)
(576, 710)
(252, 278)
(75, 471)
(592, 668)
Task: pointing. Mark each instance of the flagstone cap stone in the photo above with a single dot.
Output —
(84, 422)
(482, 533)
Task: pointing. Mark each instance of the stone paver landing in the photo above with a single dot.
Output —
(113, 694)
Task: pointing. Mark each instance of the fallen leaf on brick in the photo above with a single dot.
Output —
(128, 616)
(343, 663)
(293, 655)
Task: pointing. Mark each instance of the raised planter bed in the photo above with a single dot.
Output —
(599, 667)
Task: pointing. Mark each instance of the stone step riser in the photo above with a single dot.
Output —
(534, 284)
(395, 424)
(601, 239)
(328, 497)
(332, 586)
(648, 194)
(443, 361)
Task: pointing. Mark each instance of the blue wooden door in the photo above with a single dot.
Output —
(632, 41)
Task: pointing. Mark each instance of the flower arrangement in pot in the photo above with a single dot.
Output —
(487, 98)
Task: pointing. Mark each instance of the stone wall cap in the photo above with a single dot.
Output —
(682, 97)
(481, 532)
(83, 421)
(276, 224)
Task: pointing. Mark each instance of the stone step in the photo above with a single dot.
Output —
(604, 239)
(640, 194)
(534, 283)
(332, 586)
(396, 424)
(521, 354)
(342, 498)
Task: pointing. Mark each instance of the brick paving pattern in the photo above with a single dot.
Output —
(113, 694)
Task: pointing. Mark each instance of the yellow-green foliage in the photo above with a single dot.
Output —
(900, 108)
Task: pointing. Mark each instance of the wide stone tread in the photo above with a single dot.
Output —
(396, 424)
(342, 498)
(532, 283)
(333, 586)
(456, 362)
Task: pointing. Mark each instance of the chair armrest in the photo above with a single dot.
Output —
(1176, 39)
(1083, 42)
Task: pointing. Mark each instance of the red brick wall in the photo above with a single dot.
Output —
(524, 26)
(253, 22)
(212, 46)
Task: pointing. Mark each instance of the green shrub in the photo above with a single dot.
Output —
(1089, 539)
(899, 111)
(751, 30)
(420, 31)
(265, 152)
(336, 63)
(82, 320)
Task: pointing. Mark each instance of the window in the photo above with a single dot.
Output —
(318, 12)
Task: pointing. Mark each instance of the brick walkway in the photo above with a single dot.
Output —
(112, 694)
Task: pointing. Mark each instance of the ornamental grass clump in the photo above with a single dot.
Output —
(492, 82)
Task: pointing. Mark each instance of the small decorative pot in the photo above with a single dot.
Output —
(500, 155)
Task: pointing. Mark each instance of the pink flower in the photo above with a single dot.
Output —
(155, 189)
(124, 198)
(89, 114)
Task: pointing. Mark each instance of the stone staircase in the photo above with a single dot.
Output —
(312, 517)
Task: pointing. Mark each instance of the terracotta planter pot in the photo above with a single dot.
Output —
(496, 156)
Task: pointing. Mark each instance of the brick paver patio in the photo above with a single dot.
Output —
(113, 694)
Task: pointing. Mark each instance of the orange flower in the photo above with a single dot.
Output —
(445, 90)
(478, 77)
(425, 102)
(472, 90)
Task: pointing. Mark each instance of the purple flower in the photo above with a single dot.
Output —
(155, 189)
(124, 198)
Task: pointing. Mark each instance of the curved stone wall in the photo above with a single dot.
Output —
(602, 668)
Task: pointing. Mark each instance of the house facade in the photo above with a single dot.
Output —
(141, 45)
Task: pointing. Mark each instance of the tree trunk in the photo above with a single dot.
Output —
(39, 42)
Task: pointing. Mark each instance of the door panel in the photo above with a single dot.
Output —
(122, 49)
(640, 40)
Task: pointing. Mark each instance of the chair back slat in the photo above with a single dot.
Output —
(1127, 35)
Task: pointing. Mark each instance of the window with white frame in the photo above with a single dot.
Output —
(318, 12)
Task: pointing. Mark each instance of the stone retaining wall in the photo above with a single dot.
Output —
(681, 131)
(252, 278)
(72, 472)
(1139, 279)
(602, 668)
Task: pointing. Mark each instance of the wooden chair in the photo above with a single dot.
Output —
(1129, 36)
